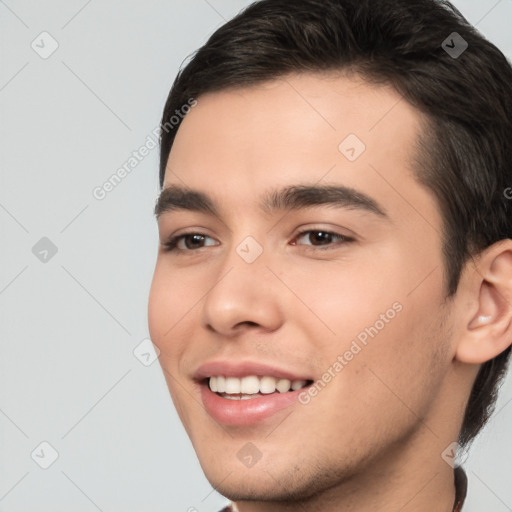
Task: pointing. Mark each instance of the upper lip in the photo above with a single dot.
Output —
(245, 368)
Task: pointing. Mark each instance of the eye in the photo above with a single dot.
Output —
(319, 237)
(188, 242)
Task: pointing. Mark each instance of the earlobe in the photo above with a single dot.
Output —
(489, 329)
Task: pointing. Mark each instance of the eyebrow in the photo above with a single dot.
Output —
(295, 197)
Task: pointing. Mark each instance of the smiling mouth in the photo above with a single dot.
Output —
(252, 386)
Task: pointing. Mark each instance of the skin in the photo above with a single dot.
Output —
(373, 436)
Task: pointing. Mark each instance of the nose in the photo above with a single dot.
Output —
(245, 296)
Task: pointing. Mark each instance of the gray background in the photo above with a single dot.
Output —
(70, 323)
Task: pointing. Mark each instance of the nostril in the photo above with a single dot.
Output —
(246, 323)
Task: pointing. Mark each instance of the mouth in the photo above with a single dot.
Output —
(252, 386)
(246, 400)
(245, 393)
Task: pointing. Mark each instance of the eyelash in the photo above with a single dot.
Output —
(171, 244)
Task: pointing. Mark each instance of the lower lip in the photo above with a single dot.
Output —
(246, 412)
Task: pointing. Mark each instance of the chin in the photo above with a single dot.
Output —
(290, 481)
(259, 491)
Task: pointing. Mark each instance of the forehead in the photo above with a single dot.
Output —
(237, 144)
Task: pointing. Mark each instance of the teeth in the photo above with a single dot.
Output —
(283, 385)
(221, 384)
(298, 384)
(232, 385)
(267, 385)
(252, 385)
(238, 397)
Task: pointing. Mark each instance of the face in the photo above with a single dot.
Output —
(299, 252)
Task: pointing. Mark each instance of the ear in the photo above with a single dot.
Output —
(487, 321)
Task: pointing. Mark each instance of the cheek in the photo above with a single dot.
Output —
(386, 383)
(168, 306)
(346, 296)
(404, 362)
(366, 310)
(158, 304)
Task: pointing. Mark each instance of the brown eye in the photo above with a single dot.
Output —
(192, 241)
(319, 237)
(188, 242)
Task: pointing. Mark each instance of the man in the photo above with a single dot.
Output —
(332, 297)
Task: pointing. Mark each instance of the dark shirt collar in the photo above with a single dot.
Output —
(461, 489)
